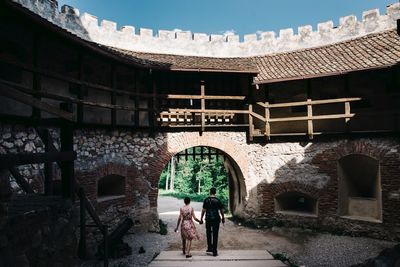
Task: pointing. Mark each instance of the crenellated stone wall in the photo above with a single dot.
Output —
(86, 26)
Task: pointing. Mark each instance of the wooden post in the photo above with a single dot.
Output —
(79, 106)
(48, 167)
(82, 239)
(203, 106)
(310, 128)
(67, 167)
(251, 126)
(36, 76)
(113, 96)
(105, 233)
(347, 103)
(347, 112)
(168, 174)
(136, 100)
(172, 179)
(153, 104)
(267, 124)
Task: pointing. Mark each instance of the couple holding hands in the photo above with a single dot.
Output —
(212, 208)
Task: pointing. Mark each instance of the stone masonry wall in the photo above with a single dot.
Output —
(267, 171)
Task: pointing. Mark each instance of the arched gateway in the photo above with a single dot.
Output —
(111, 107)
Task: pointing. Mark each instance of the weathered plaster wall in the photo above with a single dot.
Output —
(87, 27)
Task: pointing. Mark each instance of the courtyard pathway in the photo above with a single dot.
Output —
(306, 247)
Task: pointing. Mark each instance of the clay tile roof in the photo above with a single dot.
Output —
(188, 63)
(372, 51)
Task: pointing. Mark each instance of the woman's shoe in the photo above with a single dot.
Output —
(188, 256)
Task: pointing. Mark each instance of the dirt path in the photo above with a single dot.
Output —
(305, 247)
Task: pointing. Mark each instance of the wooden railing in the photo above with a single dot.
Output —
(310, 118)
(85, 205)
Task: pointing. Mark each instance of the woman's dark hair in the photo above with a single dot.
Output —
(186, 200)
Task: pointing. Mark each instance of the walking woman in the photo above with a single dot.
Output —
(188, 229)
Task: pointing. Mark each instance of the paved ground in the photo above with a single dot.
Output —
(253, 258)
(304, 247)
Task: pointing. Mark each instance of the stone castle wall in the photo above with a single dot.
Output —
(86, 26)
(267, 171)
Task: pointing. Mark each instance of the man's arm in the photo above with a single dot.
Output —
(221, 210)
(202, 215)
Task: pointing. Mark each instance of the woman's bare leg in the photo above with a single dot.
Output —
(183, 245)
(189, 246)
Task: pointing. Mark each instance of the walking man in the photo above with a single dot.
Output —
(212, 207)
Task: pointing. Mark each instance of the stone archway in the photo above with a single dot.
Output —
(227, 142)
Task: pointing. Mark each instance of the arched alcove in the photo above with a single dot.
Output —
(296, 203)
(359, 187)
(110, 186)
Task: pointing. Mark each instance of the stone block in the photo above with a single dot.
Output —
(231, 38)
(128, 30)
(305, 31)
(70, 11)
(164, 35)
(108, 25)
(183, 35)
(89, 19)
(146, 33)
(268, 36)
(216, 38)
(286, 33)
(250, 38)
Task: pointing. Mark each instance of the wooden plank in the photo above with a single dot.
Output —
(319, 117)
(79, 106)
(36, 77)
(22, 183)
(10, 92)
(48, 167)
(67, 167)
(313, 102)
(203, 105)
(113, 96)
(267, 132)
(219, 111)
(10, 160)
(90, 209)
(251, 125)
(82, 222)
(71, 99)
(310, 128)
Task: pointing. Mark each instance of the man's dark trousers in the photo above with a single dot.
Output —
(212, 228)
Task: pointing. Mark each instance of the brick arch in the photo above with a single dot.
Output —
(88, 179)
(281, 188)
(327, 162)
(178, 142)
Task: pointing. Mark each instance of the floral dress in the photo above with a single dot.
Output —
(188, 229)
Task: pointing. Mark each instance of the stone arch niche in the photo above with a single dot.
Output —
(110, 187)
(236, 163)
(295, 202)
(359, 187)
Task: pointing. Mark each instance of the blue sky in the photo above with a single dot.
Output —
(219, 16)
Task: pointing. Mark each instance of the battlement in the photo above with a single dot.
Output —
(87, 27)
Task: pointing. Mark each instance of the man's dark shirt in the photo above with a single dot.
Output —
(212, 205)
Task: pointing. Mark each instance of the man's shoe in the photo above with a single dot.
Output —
(215, 254)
